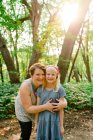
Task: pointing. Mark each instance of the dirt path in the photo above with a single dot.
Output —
(78, 126)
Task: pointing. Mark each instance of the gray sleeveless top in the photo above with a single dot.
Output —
(20, 112)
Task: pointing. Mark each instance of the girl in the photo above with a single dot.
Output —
(50, 124)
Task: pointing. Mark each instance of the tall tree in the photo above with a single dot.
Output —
(13, 74)
(33, 14)
(35, 11)
(70, 37)
(1, 71)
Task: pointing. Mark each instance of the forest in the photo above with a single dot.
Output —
(52, 32)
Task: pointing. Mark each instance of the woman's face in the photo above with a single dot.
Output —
(38, 77)
(51, 75)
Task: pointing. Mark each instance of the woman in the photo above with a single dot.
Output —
(25, 103)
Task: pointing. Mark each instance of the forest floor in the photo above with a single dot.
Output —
(78, 126)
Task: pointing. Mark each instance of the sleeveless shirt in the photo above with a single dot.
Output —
(20, 112)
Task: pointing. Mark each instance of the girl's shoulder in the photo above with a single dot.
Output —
(60, 87)
(61, 90)
(40, 89)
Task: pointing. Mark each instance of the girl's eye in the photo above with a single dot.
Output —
(47, 74)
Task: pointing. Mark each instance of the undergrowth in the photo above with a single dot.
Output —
(79, 96)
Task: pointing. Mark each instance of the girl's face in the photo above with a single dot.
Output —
(51, 75)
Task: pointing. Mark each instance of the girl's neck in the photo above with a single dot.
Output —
(50, 86)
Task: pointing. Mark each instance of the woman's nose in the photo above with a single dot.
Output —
(42, 77)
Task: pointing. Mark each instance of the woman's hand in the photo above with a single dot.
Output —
(62, 103)
(49, 106)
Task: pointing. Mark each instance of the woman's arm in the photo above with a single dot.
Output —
(36, 116)
(27, 103)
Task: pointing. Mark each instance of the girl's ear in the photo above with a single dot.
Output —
(56, 77)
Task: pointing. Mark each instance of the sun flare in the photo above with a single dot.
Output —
(68, 13)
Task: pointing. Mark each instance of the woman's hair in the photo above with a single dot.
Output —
(36, 66)
(57, 84)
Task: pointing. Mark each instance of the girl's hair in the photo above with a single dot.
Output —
(57, 82)
(36, 66)
(57, 85)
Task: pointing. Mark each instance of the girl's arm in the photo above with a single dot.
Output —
(61, 113)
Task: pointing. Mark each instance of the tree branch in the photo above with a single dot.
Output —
(24, 19)
(27, 5)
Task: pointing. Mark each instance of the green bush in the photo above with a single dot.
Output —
(79, 96)
(8, 93)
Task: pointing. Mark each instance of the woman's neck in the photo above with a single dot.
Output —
(33, 85)
(32, 82)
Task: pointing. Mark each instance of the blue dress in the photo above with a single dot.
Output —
(48, 122)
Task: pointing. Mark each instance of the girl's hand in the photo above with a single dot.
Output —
(62, 130)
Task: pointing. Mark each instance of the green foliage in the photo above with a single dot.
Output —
(7, 97)
(6, 19)
(79, 96)
(49, 60)
(9, 15)
(24, 56)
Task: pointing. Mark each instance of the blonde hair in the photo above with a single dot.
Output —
(57, 84)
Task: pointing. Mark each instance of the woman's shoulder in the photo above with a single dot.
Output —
(26, 83)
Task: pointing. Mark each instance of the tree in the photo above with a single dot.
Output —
(33, 14)
(13, 74)
(69, 41)
(1, 71)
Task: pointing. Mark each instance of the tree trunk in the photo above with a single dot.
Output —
(86, 62)
(74, 60)
(69, 41)
(76, 74)
(35, 14)
(85, 54)
(1, 72)
(86, 57)
(38, 44)
(13, 74)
